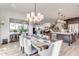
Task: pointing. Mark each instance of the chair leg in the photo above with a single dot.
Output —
(27, 55)
(22, 49)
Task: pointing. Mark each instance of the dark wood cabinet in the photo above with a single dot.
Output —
(73, 21)
(14, 37)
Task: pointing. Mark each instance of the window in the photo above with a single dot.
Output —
(17, 26)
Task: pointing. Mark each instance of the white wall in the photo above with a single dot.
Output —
(5, 15)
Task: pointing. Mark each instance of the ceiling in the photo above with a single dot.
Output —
(49, 10)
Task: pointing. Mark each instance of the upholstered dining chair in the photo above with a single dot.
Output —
(57, 47)
(28, 48)
(54, 36)
(21, 43)
(40, 35)
(53, 49)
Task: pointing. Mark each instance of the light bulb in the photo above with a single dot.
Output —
(38, 14)
(30, 19)
(60, 10)
(42, 17)
(35, 18)
(32, 14)
(28, 16)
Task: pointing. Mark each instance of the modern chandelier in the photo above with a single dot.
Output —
(34, 17)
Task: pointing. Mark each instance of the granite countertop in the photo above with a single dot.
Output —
(66, 33)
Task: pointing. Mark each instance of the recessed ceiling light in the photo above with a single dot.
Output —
(13, 5)
(59, 9)
(15, 46)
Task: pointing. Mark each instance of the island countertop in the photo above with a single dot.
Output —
(65, 33)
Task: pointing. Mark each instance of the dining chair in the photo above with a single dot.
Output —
(40, 35)
(57, 48)
(54, 36)
(53, 49)
(21, 43)
(28, 48)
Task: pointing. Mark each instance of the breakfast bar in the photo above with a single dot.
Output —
(66, 37)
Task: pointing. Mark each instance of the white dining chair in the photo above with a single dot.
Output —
(28, 48)
(54, 36)
(57, 47)
(21, 43)
(40, 35)
(53, 50)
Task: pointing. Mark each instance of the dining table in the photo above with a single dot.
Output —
(39, 43)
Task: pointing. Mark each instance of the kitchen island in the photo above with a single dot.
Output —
(65, 36)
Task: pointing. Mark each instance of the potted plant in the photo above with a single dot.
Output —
(15, 30)
(23, 30)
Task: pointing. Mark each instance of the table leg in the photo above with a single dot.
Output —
(70, 39)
